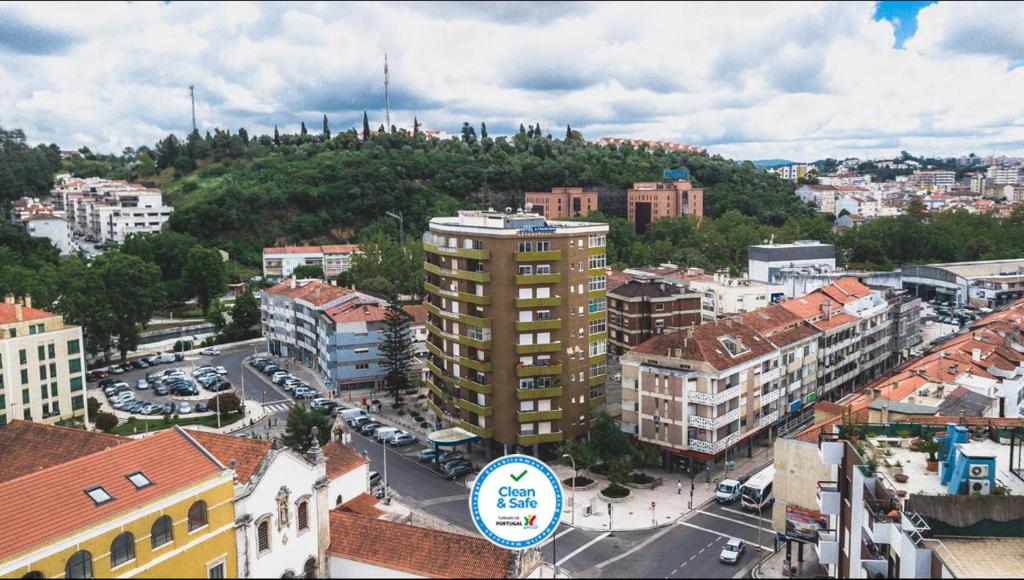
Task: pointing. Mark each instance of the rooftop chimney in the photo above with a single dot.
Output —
(9, 299)
(976, 354)
(28, 301)
(291, 282)
(18, 314)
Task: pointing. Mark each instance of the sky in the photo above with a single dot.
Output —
(795, 80)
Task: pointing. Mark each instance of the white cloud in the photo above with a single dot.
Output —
(748, 80)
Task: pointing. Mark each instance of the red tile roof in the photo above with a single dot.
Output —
(357, 311)
(331, 249)
(704, 343)
(363, 504)
(9, 313)
(342, 459)
(52, 503)
(418, 313)
(419, 551)
(248, 453)
(316, 292)
(21, 443)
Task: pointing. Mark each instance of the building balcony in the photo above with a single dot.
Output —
(457, 274)
(458, 316)
(553, 324)
(482, 432)
(535, 348)
(436, 390)
(768, 419)
(526, 279)
(470, 253)
(875, 568)
(714, 422)
(598, 401)
(597, 250)
(461, 296)
(539, 370)
(531, 416)
(827, 547)
(597, 315)
(482, 366)
(713, 447)
(538, 302)
(830, 448)
(460, 338)
(598, 336)
(545, 393)
(882, 527)
(771, 396)
(828, 498)
(548, 256)
(539, 438)
(472, 385)
(474, 408)
(597, 380)
(713, 398)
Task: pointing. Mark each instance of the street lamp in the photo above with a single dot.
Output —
(575, 475)
(401, 225)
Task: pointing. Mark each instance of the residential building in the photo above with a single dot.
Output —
(110, 210)
(794, 171)
(42, 367)
(517, 354)
(906, 323)
(332, 330)
(647, 202)
(933, 178)
(644, 307)
(279, 262)
(562, 202)
(725, 295)
(650, 144)
(864, 205)
(1003, 174)
(157, 507)
(764, 261)
(56, 229)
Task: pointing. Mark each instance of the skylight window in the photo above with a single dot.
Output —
(139, 480)
(99, 495)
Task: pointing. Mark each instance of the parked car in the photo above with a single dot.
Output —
(375, 479)
(140, 364)
(93, 376)
(280, 377)
(184, 408)
(732, 551)
(115, 370)
(211, 351)
(402, 439)
(161, 389)
(221, 386)
(138, 406)
(168, 408)
(384, 433)
(151, 376)
(322, 404)
(152, 409)
(179, 356)
(457, 470)
(184, 390)
(359, 421)
(450, 456)
(426, 455)
(221, 370)
(107, 381)
(141, 384)
(269, 370)
(304, 393)
(202, 407)
(369, 428)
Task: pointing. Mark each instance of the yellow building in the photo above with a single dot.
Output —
(42, 372)
(158, 507)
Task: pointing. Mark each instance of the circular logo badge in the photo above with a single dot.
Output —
(516, 502)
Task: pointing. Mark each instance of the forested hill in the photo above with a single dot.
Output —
(242, 194)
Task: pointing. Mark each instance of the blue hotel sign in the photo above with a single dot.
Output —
(676, 174)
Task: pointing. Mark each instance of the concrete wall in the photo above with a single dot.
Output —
(798, 469)
(344, 568)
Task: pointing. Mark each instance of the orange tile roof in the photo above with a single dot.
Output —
(702, 343)
(9, 314)
(315, 292)
(22, 441)
(340, 249)
(248, 453)
(837, 320)
(357, 311)
(330, 249)
(52, 503)
(363, 504)
(418, 312)
(342, 459)
(419, 551)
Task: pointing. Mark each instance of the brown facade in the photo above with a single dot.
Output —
(504, 312)
(634, 317)
(650, 201)
(563, 202)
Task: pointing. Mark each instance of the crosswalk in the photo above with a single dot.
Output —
(278, 406)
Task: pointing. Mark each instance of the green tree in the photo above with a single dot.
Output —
(132, 293)
(582, 452)
(105, 421)
(366, 127)
(84, 302)
(228, 403)
(645, 457)
(327, 128)
(277, 136)
(308, 271)
(204, 276)
(608, 440)
(483, 131)
(299, 425)
(396, 349)
(245, 314)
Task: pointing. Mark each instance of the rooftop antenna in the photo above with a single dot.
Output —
(192, 93)
(387, 104)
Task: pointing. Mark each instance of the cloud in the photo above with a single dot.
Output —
(748, 80)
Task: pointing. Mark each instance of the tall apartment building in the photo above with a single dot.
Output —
(933, 178)
(793, 172)
(644, 307)
(562, 202)
(517, 326)
(1004, 174)
(111, 210)
(724, 295)
(647, 202)
(764, 261)
(42, 369)
(280, 262)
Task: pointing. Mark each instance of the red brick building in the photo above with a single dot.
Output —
(643, 308)
(647, 202)
(562, 202)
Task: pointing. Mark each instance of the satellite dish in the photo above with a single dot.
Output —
(508, 210)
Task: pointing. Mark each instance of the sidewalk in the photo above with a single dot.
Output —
(774, 566)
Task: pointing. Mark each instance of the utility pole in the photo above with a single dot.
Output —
(192, 93)
(387, 102)
(401, 225)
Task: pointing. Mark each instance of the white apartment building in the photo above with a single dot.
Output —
(1003, 174)
(764, 261)
(724, 295)
(863, 205)
(111, 210)
(934, 178)
(55, 229)
(280, 262)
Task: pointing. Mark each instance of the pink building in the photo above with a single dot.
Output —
(563, 202)
(650, 201)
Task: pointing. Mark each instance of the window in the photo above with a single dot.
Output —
(598, 347)
(161, 532)
(525, 270)
(44, 392)
(197, 516)
(24, 377)
(543, 246)
(362, 366)
(543, 269)
(263, 536)
(597, 283)
(79, 565)
(597, 261)
(41, 351)
(597, 241)
(77, 403)
(23, 357)
(51, 351)
(302, 515)
(598, 326)
(525, 246)
(75, 365)
(76, 384)
(361, 350)
(73, 347)
(597, 305)
(138, 479)
(216, 571)
(122, 549)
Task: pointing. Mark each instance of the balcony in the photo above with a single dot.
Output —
(713, 398)
(457, 274)
(470, 253)
(536, 302)
(525, 279)
(548, 256)
(460, 338)
(597, 380)
(882, 520)
(598, 401)
(436, 390)
(482, 432)
(830, 448)
(875, 568)
(827, 547)
(535, 348)
(472, 385)
(539, 438)
(828, 498)
(539, 370)
(531, 416)
(771, 396)
(474, 408)
(714, 422)
(544, 393)
(553, 324)
(768, 419)
(713, 447)
(462, 296)
(478, 365)
(458, 316)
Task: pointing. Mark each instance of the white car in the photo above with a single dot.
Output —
(142, 384)
(221, 370)
(385, 433)
(184, 408)
(732, 551)
(211, 351)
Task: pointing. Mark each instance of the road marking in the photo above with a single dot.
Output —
(581, 548)
(635, 548)
(734, 521)
(568, 531)
(437, 500)
(746, 515)
(719, 534)
(286, 401)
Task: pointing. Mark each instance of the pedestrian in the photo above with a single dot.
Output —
(679, 487)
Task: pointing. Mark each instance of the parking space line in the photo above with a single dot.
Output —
(582, 548)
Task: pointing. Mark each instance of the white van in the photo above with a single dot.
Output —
(728, 491)
(352, 414)
(385, 433)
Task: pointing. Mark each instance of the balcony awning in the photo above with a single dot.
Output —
(452, 437)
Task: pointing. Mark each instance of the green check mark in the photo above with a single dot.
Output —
(520, 476)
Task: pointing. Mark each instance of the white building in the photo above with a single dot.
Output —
(1003, 174)
(764, 261)
(278, 263)
(53, 228)
(724, 295)
(110, 210)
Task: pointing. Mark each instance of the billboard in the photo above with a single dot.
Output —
(804, 525)
(676, 174)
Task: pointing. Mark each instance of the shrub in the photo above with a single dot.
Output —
(640, 478)
(615, 491)
(599, 468)
(577, 481)
(105, 422)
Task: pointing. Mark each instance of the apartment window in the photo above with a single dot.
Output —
(597, 305)
(302, 515)
(122, 549)
(263, 536)
(597, 241)
(197, 517)
(74, 365)
(24, 397)
(216, 571)
(44, 392)
(597, 261)
(76, 384)
(597, 283)
(543, 246)
(161, 532)
(51, 351)
(525, 270)
(659, 307)
(361, 350)
(79, 565)
(362, 366)
(77, 403)
(598, 326)
(598, 347)
(22, 356)
(41, 351)
(543, 315)
(525, 246)
(543, 269)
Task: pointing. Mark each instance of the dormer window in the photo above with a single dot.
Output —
(99, 495)
(139, 480)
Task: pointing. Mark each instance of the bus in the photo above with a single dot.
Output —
(756, 493)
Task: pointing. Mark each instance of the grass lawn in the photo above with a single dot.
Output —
(141, 426)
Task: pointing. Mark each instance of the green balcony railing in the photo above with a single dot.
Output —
(530, 416)
(553, 324)
(548, 256)
(484, 433)
(473, 385)
(524, 279)
(545, 393)
(458, 274)
(462, 296)
(598, 401)
(459, 252)
(535, 302)
(545, 438)
(539, 370)
(535, 348)
(473, 407)
(459, 338)
(458, 316)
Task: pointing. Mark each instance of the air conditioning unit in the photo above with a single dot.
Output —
(923, 392)
(981, 486)
(978, 471)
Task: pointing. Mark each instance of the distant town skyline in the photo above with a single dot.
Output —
(800, 81)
